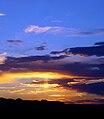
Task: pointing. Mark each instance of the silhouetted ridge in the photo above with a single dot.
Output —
(20, 105)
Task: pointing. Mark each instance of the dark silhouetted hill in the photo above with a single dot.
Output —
(47, 107)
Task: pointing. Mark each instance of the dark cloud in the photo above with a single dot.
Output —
(94, 88)
(92, 32)
(88, 51)
(100, 43)
(59, 64)
(63, 52)
(76, 84)
(99, 31)
(87, 33)
(53, 63)
(14, 41)
(31, 63)
(61, 82)
(97, 50)
(94, 101)
(66, 82)
(82, 69)
(28, 59)
(41, 48)
(98, 60)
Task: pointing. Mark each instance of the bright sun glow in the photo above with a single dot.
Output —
(11, 77)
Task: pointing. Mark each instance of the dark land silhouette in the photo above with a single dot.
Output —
(49, 107)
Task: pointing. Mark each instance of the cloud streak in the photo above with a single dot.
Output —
(2, 14)
(39, 30)
(57, 21)
(14, 41)
(63, 30)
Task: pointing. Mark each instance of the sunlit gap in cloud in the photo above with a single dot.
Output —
(12, 77)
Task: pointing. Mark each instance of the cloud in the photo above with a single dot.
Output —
(63, 30)
(59, 63)
(2, 14)
(97, 50)
(2, 60)
(83, 85)
(65, 52)
(94, 101)
(52, 63)
(44, 58)
(41, 48)
(14, 41)
(100, 43)
(94, 88)
(83, 69)
(61, 82)
(52, 19)
(38, 29)
(89, 51)
(89, 85)
(83, 78)
(91, 32)
(57, 21)
(3, 57)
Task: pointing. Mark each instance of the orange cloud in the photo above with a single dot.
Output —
(12, 77)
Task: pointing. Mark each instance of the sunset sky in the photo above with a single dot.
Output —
(53, 50)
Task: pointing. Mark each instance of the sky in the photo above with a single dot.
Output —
(52, 50)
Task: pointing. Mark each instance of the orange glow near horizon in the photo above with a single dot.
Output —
(36, 86)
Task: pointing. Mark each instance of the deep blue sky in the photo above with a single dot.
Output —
(69, 15)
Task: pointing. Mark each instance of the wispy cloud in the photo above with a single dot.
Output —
(57, 21)
(2, 14)
(53, 19)
(46, 29)
(63, 30)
